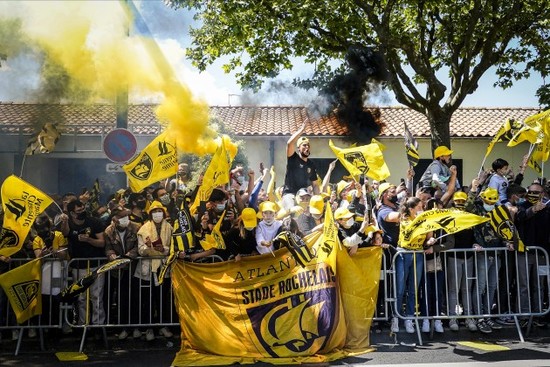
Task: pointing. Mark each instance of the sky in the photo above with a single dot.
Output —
(19, 77)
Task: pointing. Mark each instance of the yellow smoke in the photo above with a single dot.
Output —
(89, 39)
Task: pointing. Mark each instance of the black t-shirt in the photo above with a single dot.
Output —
(79, 249)
(299, 174)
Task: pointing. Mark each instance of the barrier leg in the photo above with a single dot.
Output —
(19, 338)
(518, 328)
(84, 331)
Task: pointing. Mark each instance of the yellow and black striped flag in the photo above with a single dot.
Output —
(411, 146)
(44, 141)
(22, 287)
(94, 195)
(504, 227)
(182, 238)
(297, 247)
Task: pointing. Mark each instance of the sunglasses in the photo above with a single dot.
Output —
(534, 192)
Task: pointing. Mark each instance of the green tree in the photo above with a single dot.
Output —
(418, 39)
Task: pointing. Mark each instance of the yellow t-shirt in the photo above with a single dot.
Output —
(58, 241)
(416, 243)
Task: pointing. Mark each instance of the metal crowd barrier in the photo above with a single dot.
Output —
(129, 302)
(491, 283)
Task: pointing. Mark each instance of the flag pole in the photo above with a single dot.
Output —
(22, 165)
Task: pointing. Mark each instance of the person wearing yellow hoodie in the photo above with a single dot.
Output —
(153, 243)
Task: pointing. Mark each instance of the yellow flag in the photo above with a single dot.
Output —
(328, 243)
(157, 161)
(506, 132)
(22, 203)
(532, 133)
(365, 159)
(217, 172)
(22, 286)
(449, 220)
(535, 164)
(504, 226)
(215, 239)
(44, 141)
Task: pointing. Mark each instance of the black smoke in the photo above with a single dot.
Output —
(346, 94)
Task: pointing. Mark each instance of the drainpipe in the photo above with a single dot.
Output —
(272, 153)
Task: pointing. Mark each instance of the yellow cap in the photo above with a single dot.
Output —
(489, 195)
(269, 206)
(460, 195)
(316, 204)
(156, 205)
(302, 140)
(441, 151)
(340, 186)
(248, 217)
(383, 187)
(342, 213)
(371, 229)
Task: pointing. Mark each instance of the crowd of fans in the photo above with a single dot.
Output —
(367, 213)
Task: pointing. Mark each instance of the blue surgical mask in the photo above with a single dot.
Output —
(521, 201)
(220, 207)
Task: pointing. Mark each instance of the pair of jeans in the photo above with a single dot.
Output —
(459, 276)
(487, 265)
(409, 268)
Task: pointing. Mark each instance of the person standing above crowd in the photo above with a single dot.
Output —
(300, 171)
(498, 180)
(437, 174)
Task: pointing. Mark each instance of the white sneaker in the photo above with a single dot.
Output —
(136, 334)
(15, 334)
(123, 335)
(32, 333)
(438, 326)
(453, 325)
(471, 324)
(426, 326)
(149, 335)
(165, 332)
(409, 327)
(394, 325)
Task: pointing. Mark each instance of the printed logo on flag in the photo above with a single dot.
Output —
(16, 207)
(358, 160)
(24, 293)
(297, 314)
(8, 238)
(143, 169)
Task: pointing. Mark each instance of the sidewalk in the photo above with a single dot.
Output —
(457, 349)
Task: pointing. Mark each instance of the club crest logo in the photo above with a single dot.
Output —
(25, 293)
(8, 238)
(358, 160)
(16, 207)
(299, 324)
(142, 170)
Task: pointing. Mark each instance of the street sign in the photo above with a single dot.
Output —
(120, 145)
(114, 168)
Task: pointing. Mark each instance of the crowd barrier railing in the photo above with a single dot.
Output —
(469, 284)
(459, 286)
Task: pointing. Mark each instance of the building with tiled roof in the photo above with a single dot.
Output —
(78, 157)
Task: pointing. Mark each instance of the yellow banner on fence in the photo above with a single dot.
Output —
(270, 309)
(22, 286)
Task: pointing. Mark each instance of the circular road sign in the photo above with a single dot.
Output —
(120, 145)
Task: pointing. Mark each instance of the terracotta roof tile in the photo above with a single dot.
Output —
(249, 120)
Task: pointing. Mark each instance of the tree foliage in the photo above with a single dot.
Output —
(418, 39)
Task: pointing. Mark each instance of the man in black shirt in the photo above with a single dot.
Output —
(300, 171)
(86, 241)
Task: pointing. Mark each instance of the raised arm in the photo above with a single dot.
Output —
(292, 140)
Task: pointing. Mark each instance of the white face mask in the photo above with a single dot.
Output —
(349, 223)
(157, 217)
(488, 207)
(220, 207)
(316, 216)
(165, 199)
(419, 212)
(124, 222)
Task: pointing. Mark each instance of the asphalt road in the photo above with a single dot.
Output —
(463, 348)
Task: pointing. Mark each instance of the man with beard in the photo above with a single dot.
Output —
(86, 241)
(438, 173)
(300, 171)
